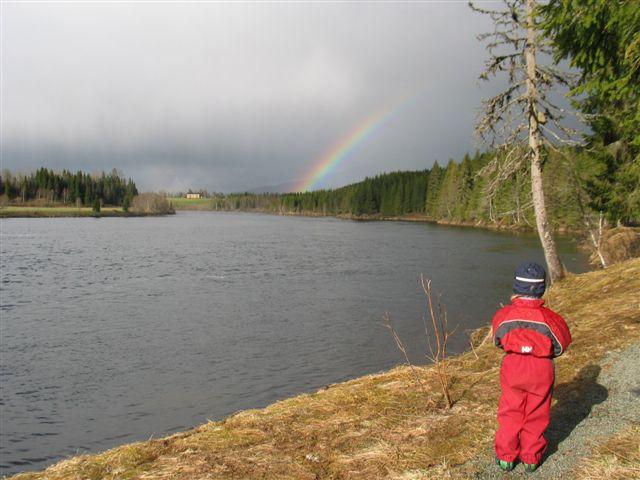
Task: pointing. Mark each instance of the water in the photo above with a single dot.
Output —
(115, 330)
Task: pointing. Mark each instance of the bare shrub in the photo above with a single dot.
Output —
(151, 203)
(402, 348)
(438, 355)
(595, 235)
(437, 347)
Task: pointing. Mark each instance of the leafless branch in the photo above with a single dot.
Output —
(442, 334)
(387, 319)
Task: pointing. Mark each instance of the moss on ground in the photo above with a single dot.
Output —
(383, 425)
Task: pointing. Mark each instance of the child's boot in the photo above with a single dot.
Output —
(530, 467)
(504, 465)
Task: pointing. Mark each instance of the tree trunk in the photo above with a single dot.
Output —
(554, 265)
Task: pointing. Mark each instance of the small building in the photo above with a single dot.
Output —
(194, 195)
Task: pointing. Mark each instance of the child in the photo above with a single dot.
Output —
(531, 336)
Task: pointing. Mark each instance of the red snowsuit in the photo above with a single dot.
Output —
(531, 335)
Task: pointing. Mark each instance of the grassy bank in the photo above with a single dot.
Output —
(13, 211)
(385, 425)
(181, 203)
(19, 212)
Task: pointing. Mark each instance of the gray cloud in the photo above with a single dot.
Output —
(230, 97)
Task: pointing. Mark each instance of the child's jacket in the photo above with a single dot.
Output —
(526, 327)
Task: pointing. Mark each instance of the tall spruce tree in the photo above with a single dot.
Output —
(601, 39)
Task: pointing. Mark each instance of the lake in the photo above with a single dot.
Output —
(119, 329)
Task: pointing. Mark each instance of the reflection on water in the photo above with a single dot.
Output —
(115, 329)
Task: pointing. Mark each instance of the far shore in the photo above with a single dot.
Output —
(205, 204)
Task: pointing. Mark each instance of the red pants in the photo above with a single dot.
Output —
(523, 411)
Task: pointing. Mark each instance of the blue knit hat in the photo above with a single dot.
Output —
(529, 280)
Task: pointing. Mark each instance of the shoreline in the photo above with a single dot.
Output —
(13, 211)
(391, 424)
(414, 217)
(418, 218)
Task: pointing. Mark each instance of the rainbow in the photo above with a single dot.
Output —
(347, 145)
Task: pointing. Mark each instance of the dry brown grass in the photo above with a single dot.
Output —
(377, 426)
(617, 459)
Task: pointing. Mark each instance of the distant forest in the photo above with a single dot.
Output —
(47, 186)
(578, 183)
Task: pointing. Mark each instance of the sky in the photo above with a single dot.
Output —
(237, 96)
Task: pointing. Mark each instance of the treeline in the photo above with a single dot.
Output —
(393, 193)
(578, 182)
(45, 186)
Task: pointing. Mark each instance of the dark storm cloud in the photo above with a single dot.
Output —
(230, 97)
